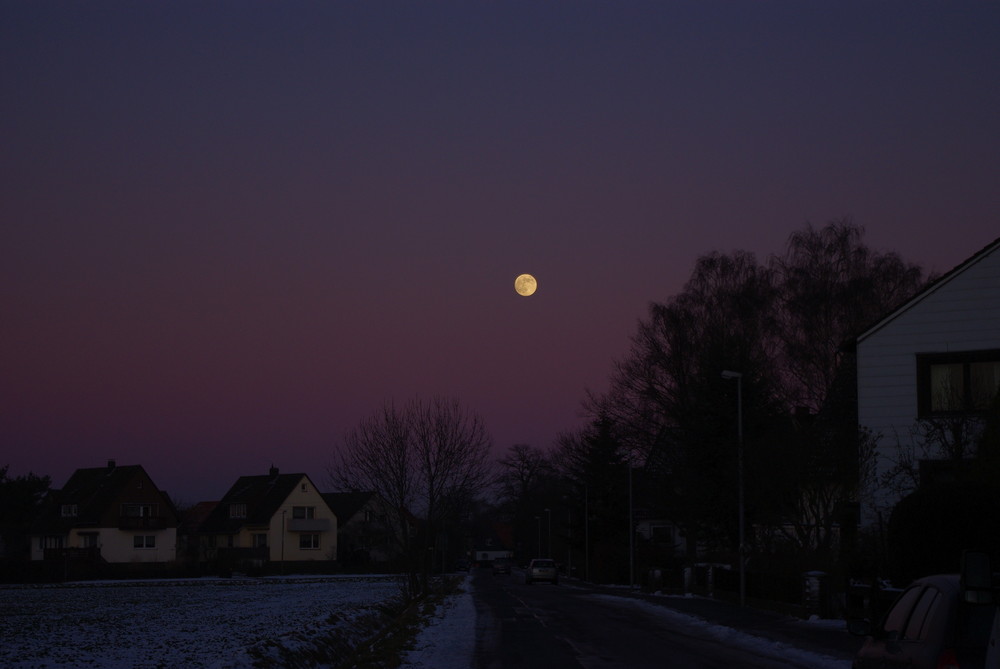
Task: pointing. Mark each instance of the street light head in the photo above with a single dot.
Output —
(726, 374)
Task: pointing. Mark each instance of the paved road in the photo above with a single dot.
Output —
(567, 627)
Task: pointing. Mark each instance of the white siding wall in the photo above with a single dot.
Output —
(962, 314)
(305, 494)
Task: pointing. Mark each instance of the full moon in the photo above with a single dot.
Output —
(525, 285)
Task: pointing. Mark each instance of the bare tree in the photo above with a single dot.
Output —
(831, 287)
(377, 456)
(521, 471)
(422, 460)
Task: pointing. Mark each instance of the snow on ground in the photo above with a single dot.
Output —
(213, 623)
(449, 639)
(205, 623)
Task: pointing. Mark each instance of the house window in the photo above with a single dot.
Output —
(144, 541)
(260, 541)
(50, 542)
(957, 383)
(237, 510)
(309, 541)
(138, 510)
(302, 512)
(88, 540)
(70, 510)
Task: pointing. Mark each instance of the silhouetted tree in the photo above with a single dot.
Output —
(831, 287)
(423, 460)
(668, 392)
(783, 327)
(20, 498)
(527, 483)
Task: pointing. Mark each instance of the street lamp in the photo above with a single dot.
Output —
(548, 543)
(586, 533)
(538, 522)
(727, 374)
(631, 529)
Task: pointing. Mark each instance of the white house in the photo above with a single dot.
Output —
(113, 514)
(935, 358)
(271, 518)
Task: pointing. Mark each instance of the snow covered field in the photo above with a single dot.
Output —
(231, 623)
(209, 623)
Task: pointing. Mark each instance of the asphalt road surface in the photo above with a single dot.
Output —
(568, 626)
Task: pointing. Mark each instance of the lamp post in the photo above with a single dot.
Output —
(538, 523)
(631, 530)
(586, 533)
(548, 541)
(727, 374)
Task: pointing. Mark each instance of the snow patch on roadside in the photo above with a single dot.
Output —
(449, 639)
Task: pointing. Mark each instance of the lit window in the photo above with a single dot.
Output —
(309, 541)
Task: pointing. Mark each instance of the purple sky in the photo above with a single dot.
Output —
(231, 231)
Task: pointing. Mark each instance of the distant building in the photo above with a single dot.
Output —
(364, 532)
(934, 360)
(107, 514)
(269, 518)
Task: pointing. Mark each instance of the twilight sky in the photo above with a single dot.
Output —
(231, 230)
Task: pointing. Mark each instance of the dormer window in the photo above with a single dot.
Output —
(237, 510)
(70, 511)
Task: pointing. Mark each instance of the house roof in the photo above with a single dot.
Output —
(262, 495)
(345, 505)
(931, 288)
(92, 490)
(193, 518)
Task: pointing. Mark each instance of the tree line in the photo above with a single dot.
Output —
(662, 440)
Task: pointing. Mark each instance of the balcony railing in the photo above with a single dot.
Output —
(308, 524)
(89, 554)
(142, 523)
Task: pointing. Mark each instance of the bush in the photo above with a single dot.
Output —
(929, 529)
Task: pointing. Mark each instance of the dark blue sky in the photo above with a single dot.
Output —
(231, 230)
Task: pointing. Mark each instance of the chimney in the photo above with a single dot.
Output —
(111, 465)
(274, 472)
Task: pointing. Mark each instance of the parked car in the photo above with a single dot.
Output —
(541, 569)
(938, 622)
(501, 566)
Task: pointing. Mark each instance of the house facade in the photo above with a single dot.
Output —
(270, 518)
(364, 532)
(112, 514)
(927, 374)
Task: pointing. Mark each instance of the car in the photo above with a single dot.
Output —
(938, 621)
(542, 569)
(501, 566)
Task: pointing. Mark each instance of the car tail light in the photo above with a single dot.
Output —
(948, 660)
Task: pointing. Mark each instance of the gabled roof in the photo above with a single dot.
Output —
(192, 519)
(92, 490)
(931, 288)
(262, 495)
(346, 504)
